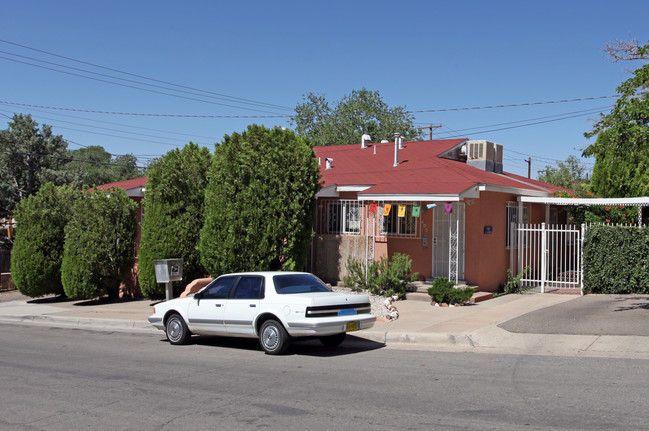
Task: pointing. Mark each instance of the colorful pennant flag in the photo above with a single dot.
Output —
(373, 206)
(402, 211)
(448, 207)
(386, 209)
(416, 210)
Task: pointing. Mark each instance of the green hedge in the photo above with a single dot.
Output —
(174, 206)
(99, 244)
(260, 202)
(616, 259)
(38, 247)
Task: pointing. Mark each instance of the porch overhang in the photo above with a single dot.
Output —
(334, 190)
(409, 197)
(512, 190)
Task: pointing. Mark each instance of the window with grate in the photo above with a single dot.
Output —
(394, 225)
(344, 217)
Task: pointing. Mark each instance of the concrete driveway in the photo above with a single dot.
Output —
(587, 315)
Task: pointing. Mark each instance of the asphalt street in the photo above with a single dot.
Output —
(64, 379)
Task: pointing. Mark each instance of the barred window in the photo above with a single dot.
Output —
(392, 224)
(344, 217)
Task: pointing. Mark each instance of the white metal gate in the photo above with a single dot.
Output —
(550, 256)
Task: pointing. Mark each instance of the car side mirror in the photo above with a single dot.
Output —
(198, 296)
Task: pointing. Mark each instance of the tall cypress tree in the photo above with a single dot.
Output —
(173, 214)
(38, 248)
(99, 246)
(260, 202)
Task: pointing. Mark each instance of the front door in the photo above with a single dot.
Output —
(448, 241)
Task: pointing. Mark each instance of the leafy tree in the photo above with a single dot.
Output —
(570, 174)
(361, 112)
(38, 248)
(93, 165)
(99, 248)
(260, 202)
(29, 158)
(174, 202)
(621, 149)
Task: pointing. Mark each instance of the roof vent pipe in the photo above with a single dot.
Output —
(328, 162)
(365, 139)
(319, 161)
(397, 138)
(400, 143)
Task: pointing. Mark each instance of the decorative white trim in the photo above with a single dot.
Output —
(353, 188)
(410, 198)
(638, 202)
(512, 190)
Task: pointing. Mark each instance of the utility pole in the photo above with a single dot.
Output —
(430, 130)
(529, 167)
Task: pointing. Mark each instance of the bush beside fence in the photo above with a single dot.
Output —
(616, 259)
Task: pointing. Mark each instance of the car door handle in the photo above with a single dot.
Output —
(253, 305)
(218, 305)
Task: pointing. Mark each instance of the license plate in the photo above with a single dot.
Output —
(351, 326)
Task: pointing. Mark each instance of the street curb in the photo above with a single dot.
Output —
(93, 324)
(121, 325)
(465, 340)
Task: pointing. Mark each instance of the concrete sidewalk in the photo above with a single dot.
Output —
(473, 328)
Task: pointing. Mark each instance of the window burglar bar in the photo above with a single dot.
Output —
(392, 225)
(341, 217)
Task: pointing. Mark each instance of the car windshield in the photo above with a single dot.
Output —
(298, 283)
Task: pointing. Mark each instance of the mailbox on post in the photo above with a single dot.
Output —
(167, 271)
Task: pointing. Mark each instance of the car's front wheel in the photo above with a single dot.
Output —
(176, 330)
(273, 337)
(333, 340)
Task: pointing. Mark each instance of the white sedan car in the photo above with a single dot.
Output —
(271, 306)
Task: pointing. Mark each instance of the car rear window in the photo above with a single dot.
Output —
(298, 283)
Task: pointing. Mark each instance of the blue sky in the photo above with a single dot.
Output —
(423, 55)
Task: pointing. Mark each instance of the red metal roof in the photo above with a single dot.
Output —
(420, 169)
(125, 185)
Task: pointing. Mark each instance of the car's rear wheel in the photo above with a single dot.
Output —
(273, 337)
(333, 340)
(176, 330)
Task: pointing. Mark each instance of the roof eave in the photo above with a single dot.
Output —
(424, 197)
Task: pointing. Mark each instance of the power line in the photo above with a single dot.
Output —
(123, 79)
(71, 159)
(135, 87)
(511, 105)
(583, 112)
(533, 124)
(26, 105)
(120, 124)
(232, 98)
(114, 130)
(117, 136)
